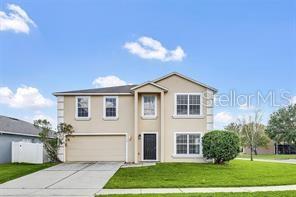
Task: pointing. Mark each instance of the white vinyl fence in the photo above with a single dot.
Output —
(26, 152)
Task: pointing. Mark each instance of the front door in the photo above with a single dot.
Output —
(149, 146)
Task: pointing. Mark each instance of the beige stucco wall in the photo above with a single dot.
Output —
(125, 122)
(176, 84)
(148, 125)
(96, 124)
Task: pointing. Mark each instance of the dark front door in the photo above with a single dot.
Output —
(149, 146)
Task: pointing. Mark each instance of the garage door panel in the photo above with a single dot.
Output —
(96, 148)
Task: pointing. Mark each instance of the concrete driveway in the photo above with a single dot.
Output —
(67, 179)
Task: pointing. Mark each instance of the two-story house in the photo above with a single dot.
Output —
(161, 120)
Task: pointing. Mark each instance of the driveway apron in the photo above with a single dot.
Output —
(66, 179)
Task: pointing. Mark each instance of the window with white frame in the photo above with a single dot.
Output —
(82, 107)
(188, 104)
(149, 106)
(110, 107)
(188, 143)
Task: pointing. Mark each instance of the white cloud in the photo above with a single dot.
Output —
(43, 116)
(24, 97)
(246, 107)
(223, 117)
(148, 48)
(5, 94)
(16, 19)
(40, 115)
(108, 81)
(293, 100)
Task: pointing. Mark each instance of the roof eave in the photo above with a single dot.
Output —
(22, 134)
(86, 94)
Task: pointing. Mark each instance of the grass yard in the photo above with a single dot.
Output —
(12, 171)
(275, 157)
(236, 173)
(255, 194)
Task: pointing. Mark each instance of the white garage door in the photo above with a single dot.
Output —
(96, 148)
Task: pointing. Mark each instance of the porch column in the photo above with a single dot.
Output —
(136, 127)
(162, 145)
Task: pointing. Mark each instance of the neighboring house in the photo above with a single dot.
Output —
(286, 148)
(268, 149)
(161, 120)
(15, 130)
(272, 148)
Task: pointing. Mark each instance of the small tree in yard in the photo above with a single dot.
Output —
(221, 146)
(52, 140)
(253, 133)
(248, 133)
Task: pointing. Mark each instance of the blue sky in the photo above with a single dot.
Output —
(246, 46)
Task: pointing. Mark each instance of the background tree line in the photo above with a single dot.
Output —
(281, 128)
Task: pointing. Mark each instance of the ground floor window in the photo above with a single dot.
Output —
(187, 143)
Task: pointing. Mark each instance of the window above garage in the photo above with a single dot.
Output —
(110, 107)
(82, 108)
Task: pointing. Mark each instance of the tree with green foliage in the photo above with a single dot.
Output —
(246, 132)
(233, 127)
(221, 146)
(53, 140)
(282, 125)
(252, 133)
(260, 137)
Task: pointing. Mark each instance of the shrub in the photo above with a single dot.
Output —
(220, 145)
(52, 141)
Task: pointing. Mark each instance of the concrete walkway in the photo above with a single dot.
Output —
(67, 179)
(144, 164)
(288, 161)
(196, 190)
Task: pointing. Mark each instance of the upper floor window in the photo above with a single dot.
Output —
(82, 107)
(188, 104)
(110, 107)
(149, 106)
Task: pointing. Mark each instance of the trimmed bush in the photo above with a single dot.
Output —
(221, 146)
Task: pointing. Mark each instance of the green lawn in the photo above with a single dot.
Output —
(277, 157)
(12, 171)
(236, 173)
(255, 194)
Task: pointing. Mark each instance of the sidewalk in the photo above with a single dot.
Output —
(196, 190)
(288, 161)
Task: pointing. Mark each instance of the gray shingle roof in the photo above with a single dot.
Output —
(114, 89)
(13, 125)
(125, 89)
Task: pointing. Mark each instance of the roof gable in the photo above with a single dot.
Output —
(187, 78)
(150, 83)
